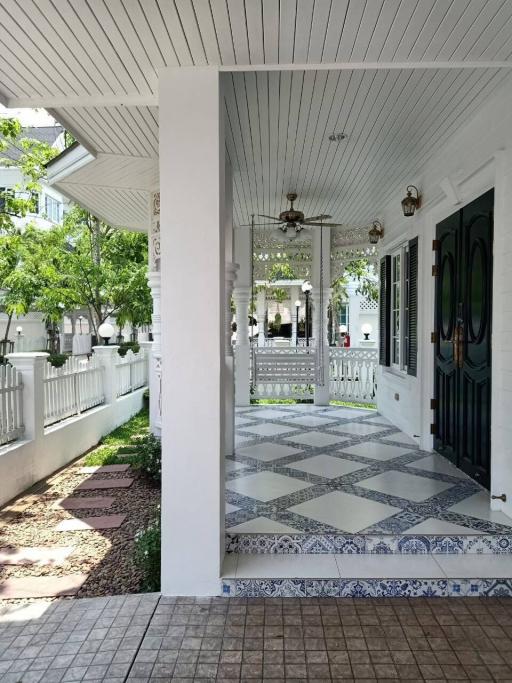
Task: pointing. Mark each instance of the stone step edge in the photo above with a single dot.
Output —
(366, 588)
(339, 544)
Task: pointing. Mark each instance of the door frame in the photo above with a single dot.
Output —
(487, 176)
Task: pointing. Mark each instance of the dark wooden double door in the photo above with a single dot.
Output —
(462, 404)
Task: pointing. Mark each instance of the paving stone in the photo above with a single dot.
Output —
(90, 484)
(41, 586)
(39, 556)
(83, 503)
(100, 469)
(88, 523)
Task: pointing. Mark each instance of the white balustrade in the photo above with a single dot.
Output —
(11, 404)
(353, 374)
(131, 372)
(71, 389)
(283, 373)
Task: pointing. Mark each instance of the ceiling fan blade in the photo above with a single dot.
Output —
(324, 225)
(256, 225)
(273, 218)
(321, 217)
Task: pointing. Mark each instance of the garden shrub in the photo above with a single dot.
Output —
(147, 554)
(57, 359)
(124, 347)
(149, 449)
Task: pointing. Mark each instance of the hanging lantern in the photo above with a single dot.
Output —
(410, 203)
(376, 232)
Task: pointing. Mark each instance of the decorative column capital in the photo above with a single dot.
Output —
(242, 294)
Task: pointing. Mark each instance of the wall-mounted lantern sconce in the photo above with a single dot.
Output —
(376, 232)
(410, 203)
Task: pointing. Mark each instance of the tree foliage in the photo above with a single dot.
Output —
(83, 263)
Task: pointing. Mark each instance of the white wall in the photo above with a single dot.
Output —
(24, 463)
(475, 159)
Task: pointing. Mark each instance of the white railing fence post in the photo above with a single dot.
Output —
(108, 356)
(31, 365)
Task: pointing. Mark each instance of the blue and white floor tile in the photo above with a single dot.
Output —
(329, 473)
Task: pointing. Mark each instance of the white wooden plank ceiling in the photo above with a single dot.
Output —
(94, 63)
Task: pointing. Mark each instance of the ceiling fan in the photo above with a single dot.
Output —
(291, 223)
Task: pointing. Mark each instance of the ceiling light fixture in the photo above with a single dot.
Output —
(376, 232)
(410, 203)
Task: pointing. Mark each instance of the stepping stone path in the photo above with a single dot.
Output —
(91, 484)
(104, 469)
(83, 503)
(41, 587)
(31, 556)
(70, 584)
(88, 523)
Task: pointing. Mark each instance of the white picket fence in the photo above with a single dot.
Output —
(131, 372)
(71, 389)
(11, 404)
(353, 375)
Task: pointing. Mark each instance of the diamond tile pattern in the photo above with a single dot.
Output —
(353, 472)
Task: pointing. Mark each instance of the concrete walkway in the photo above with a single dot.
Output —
(142, 638)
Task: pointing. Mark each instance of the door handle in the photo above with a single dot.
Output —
(458, 346)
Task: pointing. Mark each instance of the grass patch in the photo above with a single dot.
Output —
(120, 445)
(293, 401)
(352, 404)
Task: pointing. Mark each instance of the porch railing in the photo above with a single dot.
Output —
(353, 375)
(131, 372)
(11, 404)
(290, 373)
(283, 372)
(71, 389)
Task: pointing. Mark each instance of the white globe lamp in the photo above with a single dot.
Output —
(105, 331)
(366, 329)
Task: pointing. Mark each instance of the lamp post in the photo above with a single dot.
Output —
(105, 331)
(80, 318)
(306, 288)
(297, 307)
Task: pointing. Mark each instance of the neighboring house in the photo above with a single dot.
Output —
(51, 205)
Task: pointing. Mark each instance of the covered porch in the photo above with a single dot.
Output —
(188, 123)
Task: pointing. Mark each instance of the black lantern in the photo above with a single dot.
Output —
(410, 203)
(376, 232)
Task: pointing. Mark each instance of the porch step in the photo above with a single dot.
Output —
(366, 575)
(348, 544)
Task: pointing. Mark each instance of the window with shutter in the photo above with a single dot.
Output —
(412, 308)
(384, 310)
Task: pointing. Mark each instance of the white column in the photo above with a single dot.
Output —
(31, 366)
(321, 277)
(108, 357)
(242, 297)
(154, 281)
(294, 296)
(261, 311)
(230, 270)
(193, 346)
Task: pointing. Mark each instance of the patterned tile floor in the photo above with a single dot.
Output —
(302, 469)
(143, 638)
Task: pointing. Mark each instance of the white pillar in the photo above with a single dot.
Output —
(321, 277)
(261, 312)
(242, 297)
(193, 346)
(230, 270)
(31, 366)
(108, 356)
(154, 281)
(294, 296)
